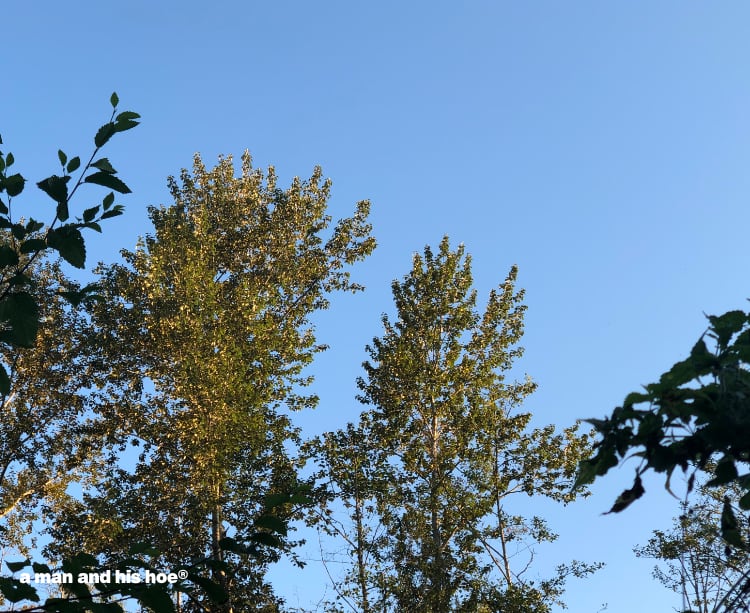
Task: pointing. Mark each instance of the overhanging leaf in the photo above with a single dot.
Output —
(68, 242)
(625, 499)
(8, 256)
(107, 180)
(16, 566)
(14, 184)
(213, 590)
(21, 313)
(272, 523)
(104, 134)
(55, 187)
(15, 591)
(4, 381)
(104, 165)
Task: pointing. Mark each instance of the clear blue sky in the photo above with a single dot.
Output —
(603, 147)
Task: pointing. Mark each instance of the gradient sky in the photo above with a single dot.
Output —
(601, 146)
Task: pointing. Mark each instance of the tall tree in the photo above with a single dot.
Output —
(443, 450)
(214, 311)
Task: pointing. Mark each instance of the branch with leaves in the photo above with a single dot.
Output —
(23, 243)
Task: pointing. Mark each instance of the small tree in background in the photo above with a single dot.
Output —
(700, 565)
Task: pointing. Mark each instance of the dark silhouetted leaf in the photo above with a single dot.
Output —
(14, 183)
(104, 165)
(155, 598)
(213, 590)
(727, 325)
(21, 313)
(271, 523)
(55, 187)
(68, 242)
(8, 256)
(33, 244)
(16, 566)
(104, 134)
(108, 180)
(125, 124)
(625, 499)
(4, 381)
(113, 212)
(89, 214)
(15, 591)
(127, 116)
(73, 165)
(33, 225)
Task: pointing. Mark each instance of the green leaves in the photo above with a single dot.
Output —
(103, 164)
(12, 185)
(727, 325)
(625, 499)
(122, 122)
(8, 256)
(729, 525)
(108, 180)
(216, 313)
(20, 314)
(68, 242)
(103, 135)
(15, 591)
(104, 594)
(57, 189)
(698, 410)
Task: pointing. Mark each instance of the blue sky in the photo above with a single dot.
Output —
(601, 146)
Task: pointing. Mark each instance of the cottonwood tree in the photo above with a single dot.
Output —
(429, 472)
(204, 335)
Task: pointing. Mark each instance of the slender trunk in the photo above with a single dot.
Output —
(500, 522)
(216, 554)
(361, 570)
(501, 525)
(438, 587)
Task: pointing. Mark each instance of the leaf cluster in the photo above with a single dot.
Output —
(696, 417)
(23, 242)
